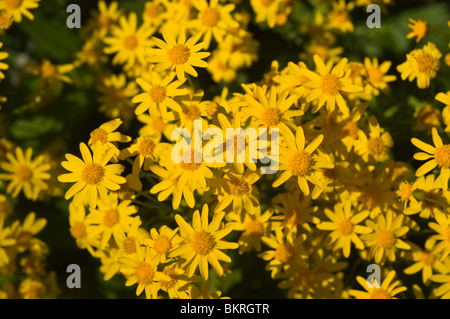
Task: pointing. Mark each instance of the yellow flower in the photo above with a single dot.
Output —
(3, 65)
(377, 146)
(108, 138)
(213, 20)
(178, 285)
(425, 260)
(5, 241)
(445, 98)
(376, 75)
(419, 29)
(113, 218)
(51, 74)
(81, 229)
(25, 173)
(387, 289)
(163, 242)
(237, 189)
(159, 94)
(340, 18)
(103, 19)
(18, 8)
(92, 175)
(344, 226)
(439, 155)
(328, 83)
(297, 160)
(385, 240)
(421, 64)
(203, 242)
(286, 251)
(142, 270)
(178, 55)
(155, 13)
(441, 226)
(266, 11)
(24, 233)
(128, 42)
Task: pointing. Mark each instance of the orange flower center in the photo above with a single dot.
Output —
(345, 227)
(375, 146)
(210, 17)
(442, 156)
(144, 273)
(188, 161)
(158, 93)
(238, 187)
(405, 191)
(129, 245)
(78, 230)
(330, 84)
(48, 70)
(178, 54)
(192, 112)
(93, 174)
(99, 135)
(104, 21)
(167, 284)
(111, 217)
(254, 227)
(23, 172)
(386, 239)
(351, 129)
(162, 245)
(270, 116)
(379, 293)
(426, 63)
(146, 147)
(159, 125)
(202, 242)
(375, 75)
(300, 163)
(13, 4)
(427, 258)
(152, 10)
(267, 3)
(284, 252)
(130, 42)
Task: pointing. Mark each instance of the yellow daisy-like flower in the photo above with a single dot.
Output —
(441, 226)
(297, 160)
(213, 20)
(5, 241)
(328, 84)
(155, 13)
(92, 175)
(85, 234)
(25, 173)
(51, 74)
(385, 240)
(163, 242)
(178, 285)
(344, 226)
(3, 65)
(128, 42)
(18, 8)
(159, 94)
(425, 260)
(377, 146)
(143, 271)
(103, 19)
(178, 55)
(419, 29)
(421, 64)
(376, 75)
(340, 17)
(445, 98)
(25, 232)
(387, 289)
(266, 11)
(437, 155)
(237, 189)
(203, 242)
(113, 218)
(108, 138)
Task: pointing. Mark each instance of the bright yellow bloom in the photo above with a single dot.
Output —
(298, 161)
(385, 240)
(128, 42)
(103, 19)
(163, 242)
(421, 64)
(203, 242)
(425, 260)
(81, 229)
(377, 146)
(419, 29)
(340, 17)
(25, 173)
(439, 155)
(142, 270)
(18, 8)
(92, 175)
(25, 232)
(387, 289)
(376, 75)
(441, 226)
(266, 11)
(113, 218)
(178, 55)
(51, 74)
(328, 83)
(159, 94)
(344, 226)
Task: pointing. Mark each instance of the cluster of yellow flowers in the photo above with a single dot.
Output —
(339, 196)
